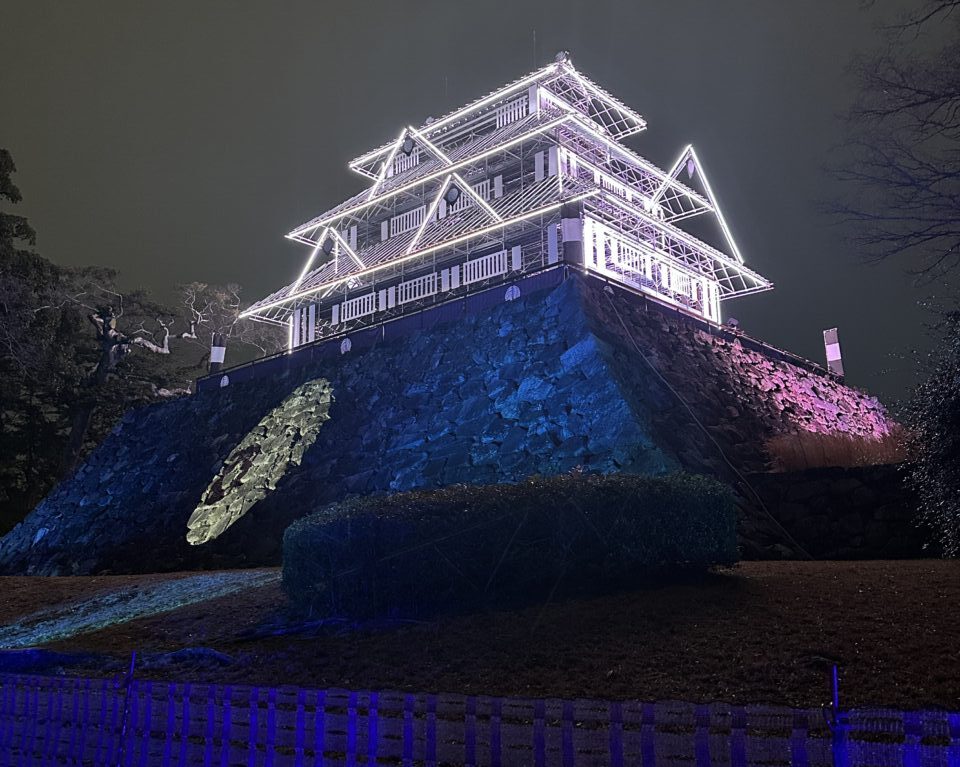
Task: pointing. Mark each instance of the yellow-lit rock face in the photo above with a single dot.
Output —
(261, 459)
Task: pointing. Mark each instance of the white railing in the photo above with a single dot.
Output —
(484, 267)
(402, 162)
(611, 184)
(466, 200)
(511, 111)
(420, 287)
(632, 259)
(611, 253)
(407, 221)
(681, 283)
(358, 307)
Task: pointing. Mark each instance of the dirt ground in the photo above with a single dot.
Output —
(758, 632)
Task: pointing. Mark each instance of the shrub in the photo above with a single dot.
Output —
(933, 417)
(423, 552)
(812, 450)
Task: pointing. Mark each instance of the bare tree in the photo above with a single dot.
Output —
(77, 351)
(901, 160)
(902, 163)
(214, 310)
(114, 345)
(125, 323)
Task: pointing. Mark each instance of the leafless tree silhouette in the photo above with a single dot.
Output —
(901, 159)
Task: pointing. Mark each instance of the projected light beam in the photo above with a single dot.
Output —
(260, 460)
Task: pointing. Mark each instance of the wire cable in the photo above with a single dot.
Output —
(699, 423)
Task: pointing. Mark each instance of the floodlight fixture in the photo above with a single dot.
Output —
(452, 194)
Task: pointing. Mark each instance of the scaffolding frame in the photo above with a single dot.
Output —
(542, 142)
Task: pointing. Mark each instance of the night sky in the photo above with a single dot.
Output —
(179, 141)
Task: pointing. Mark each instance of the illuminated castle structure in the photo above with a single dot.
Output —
(520, 295)
(532, 177)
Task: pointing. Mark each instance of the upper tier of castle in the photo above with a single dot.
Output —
(529, 177)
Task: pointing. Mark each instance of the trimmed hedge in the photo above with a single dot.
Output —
(423, 552)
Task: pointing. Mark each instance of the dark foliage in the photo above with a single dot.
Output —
(64, 380)
(933, 417)
(465, 546)
(901, 158)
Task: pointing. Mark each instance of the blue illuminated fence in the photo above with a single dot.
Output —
(63, 720)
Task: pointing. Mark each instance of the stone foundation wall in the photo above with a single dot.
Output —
(742, 393)
(539, 385)
(837, 513)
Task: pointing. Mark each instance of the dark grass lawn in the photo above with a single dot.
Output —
(758, 632)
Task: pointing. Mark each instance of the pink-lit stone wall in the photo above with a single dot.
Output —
(742, 392)
(807, 401)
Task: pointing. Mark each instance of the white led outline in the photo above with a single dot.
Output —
(689, 153)
(634, 159)
(343, 244)
(346, 246)
(473, 193)
(430, 145)
(465, 110)
(306, 268)
(597, 92)
(425, 251)
(674, 170)
(716, 205)
(417, 182)
(429, 214)
(686, 238)
(383, 171)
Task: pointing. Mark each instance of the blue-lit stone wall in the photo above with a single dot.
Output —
(523, 389)
(571, 376)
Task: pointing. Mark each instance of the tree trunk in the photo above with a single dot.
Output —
(109, 356)
(78, 435)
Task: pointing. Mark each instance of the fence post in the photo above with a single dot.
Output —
(352, 730)
(738, 737)
(470, 733)
(226, 725)
(319, 729)
(126, 681)
(567, 734)
(171, 723)
(615, 743)
(701, 717)
(408, 710)
(496, 705)
(431, 733)
(372, 734)
(799, 736)
(210, 729)
(539, 737)
(648, 735)
(839, 726)
(49, 743)
(253, 726)
(912, 735)
(300, 732)
(953, 750)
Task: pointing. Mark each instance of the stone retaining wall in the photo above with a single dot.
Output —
(837, 513)
(574, 376)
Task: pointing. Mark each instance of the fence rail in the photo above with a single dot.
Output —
(64, 720)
